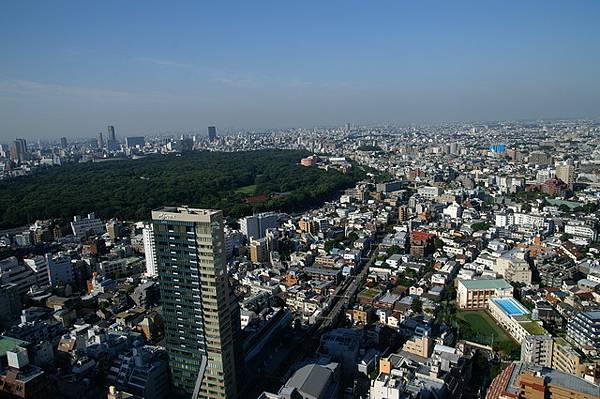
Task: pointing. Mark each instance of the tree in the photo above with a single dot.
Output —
(480, 226)
(416, 305)
(564, 208)
(130, 189)
(566, 237)
(439, 244)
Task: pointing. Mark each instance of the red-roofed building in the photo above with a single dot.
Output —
(421, 244)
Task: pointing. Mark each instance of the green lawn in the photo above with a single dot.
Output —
(484, 329)
(247, 190)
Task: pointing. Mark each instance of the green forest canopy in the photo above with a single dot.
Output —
(130, 189)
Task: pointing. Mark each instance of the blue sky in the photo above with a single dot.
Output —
(71, 68)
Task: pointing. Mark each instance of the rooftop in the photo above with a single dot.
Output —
(481, 284)
(554, 377)
(9, 344)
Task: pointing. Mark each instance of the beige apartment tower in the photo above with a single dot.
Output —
(201, 319)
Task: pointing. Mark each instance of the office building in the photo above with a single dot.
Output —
(389, 186)
(111, 133)
(149, 251)
(513, 266)
(100, 140)
(86, 226)
(212, 133)
(111, 142)
(255, 227)
(63, 142)
(201, 319)
(137, 141)
(429, 192)
(18, 150)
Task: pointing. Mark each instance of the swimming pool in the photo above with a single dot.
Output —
(510, 306)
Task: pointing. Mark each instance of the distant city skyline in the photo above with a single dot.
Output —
(70, 69)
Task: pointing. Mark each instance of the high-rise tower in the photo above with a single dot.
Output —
(212, 133)
(111, 133)
(199, 314)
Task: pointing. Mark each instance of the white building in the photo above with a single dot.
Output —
(454, 211)
(581, 230)
(39, 266)
(82, 225)
(430, 192)
(150, 250)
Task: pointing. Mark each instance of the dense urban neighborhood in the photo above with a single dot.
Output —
(457, 260)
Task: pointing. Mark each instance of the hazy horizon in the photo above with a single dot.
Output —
(70, 69)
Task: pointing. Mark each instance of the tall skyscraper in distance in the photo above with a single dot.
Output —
(18, 150)
(212, 133)
(111, 143)
(200, 317)
(111, 133)
(63, 142)
(100, 140)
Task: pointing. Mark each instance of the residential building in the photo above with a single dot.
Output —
(566, 173)
(583, 330)
(39, 266)
(199, 317)
(143, 371)
(421, 244)
(259, 251)
(527, 381)
(149, 250)
(11, 272)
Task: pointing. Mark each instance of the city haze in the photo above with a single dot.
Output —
(69, 69)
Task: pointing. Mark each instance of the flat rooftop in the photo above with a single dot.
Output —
(485, 284)
(185, 214)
